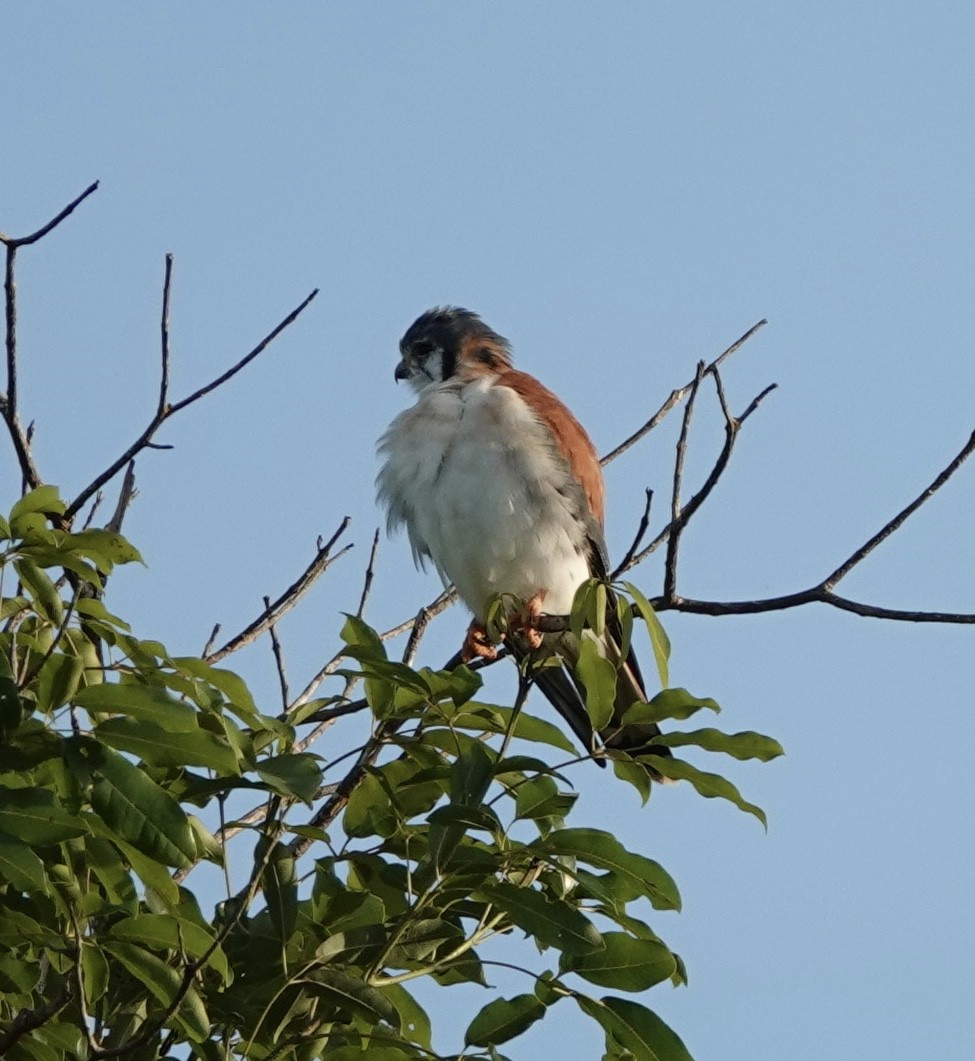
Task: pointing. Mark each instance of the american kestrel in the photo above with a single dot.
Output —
(500, 486)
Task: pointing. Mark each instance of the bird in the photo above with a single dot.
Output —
(500, 486)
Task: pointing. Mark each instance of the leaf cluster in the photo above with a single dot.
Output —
(119, 763)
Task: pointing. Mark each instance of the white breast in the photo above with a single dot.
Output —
(483, 492)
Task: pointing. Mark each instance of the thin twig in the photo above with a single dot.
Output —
(164, 339)
(888, 529)
(126, 496)
(439, 604)
(370, 574)
(96, 503)
(677, 395)
(244, 361)
(23, 241)
(210, 641)
(673, 539)
(278, 657)
(638, 537)
(145, 440)
(732, 426)
(321, 562)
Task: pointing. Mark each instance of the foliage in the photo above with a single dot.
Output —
(119, 763)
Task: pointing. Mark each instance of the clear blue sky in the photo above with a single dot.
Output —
(621, 190)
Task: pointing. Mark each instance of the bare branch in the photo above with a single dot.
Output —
(145, 440)
(278, 657)
(814, 595)
(673, 539)
(271, 614)
(888, 529)
(370, 575)
(637, 538)
(732, 426)
(125, 498)
(244, 361)
(23, 241)
(210, 641)
(434, 608)
(678, 395)
(164, 339)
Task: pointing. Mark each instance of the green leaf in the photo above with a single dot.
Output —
(414, 1022)
(280, 882)
(369, 810)
(41, 499)
(420, 940)
(711, 786)
(167, 932)
(550, 921)
(626, 963)
(164, 983)
(658, 636)
(353, 995)
(668, 703)
(104, 547)
(598, 677)
(58, 681)
(233, 687)
(94, 968)
(493, 718)
(360, 637)
(635, 1028)
(471, 776)
(43, 591)
(136, 808)
(148, 702)
(20, 866)
(634, 774)
(162, 747)
(503, 1019)
(34, 815)
(635, 874)
(298, 775)
(103, 858)
(746, 745)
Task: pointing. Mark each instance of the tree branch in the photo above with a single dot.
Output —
(678, 395)
(164, 409)
(321, 562)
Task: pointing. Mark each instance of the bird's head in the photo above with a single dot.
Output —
(448, 342)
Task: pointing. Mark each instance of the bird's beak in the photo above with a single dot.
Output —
(402, 372)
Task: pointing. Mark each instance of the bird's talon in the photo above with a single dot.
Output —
(477, 645)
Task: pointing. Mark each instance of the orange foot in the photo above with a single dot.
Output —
(528, 620)
(477, 644)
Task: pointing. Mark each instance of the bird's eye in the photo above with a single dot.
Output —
(422, 348)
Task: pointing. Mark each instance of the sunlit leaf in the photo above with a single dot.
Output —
(41, 499)
(598, 677)
(746, 745)
(712, 786)
(668, 703)
(658, 636)
(148, 702)
(42, 590)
